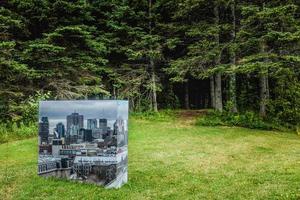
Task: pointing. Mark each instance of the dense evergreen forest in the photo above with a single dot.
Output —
(234, 56)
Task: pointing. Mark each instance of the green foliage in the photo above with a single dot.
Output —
(68, 62)
(129, 49)
(247, 119)
(285, 108)
(17, 132)
(29, 108)
(24, 112)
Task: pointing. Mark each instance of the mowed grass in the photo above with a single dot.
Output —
(173, 160)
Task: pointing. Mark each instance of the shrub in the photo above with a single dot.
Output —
(14, 132)
(247, 119)
(25, 111)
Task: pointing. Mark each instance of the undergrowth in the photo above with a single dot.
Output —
(14, 132)
(248, 120)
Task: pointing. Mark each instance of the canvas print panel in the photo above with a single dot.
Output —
(85, 141)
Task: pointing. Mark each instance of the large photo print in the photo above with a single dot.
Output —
(85, 141)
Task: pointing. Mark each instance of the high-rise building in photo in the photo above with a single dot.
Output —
(87, 137)
(91, 124)
(60, 129)
(103, 125)
(74, 130)
(119, 132)
(44, 130)
(74, 119)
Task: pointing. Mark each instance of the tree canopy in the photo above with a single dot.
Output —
(234, 55)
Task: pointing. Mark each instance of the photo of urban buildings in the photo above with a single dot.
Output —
(84, 140)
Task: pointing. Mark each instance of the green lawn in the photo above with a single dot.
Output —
(173, 160)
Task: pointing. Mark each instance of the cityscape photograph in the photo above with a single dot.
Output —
(85, 141)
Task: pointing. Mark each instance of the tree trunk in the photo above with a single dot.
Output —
(114, 92)
(212, 92)
(218, 91)
(206, 101)
(152, 66)
(154, 95)
(232, 92)
(131, 104)
(264, 89)
(263, 95)
(218, 78)
(186, 95)
(232, 80)
(263, 81)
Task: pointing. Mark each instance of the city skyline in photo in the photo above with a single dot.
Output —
(57, 111)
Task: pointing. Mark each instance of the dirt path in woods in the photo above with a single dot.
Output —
(190, 116)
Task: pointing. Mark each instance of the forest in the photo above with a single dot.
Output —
(237, 57)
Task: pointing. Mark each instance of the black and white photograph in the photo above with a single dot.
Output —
(84, 140)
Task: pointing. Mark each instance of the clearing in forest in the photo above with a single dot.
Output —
(173, 159)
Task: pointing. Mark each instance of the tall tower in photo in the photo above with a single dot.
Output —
(102, 123)
(60, 129)
(103, 126)
(92, 124)
(74, 119)
(44, 130)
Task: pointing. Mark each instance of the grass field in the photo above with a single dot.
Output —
(173, 160)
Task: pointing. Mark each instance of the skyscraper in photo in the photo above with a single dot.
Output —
(91, 124)
(44, 130)
(60, 129)
(74, 119)
(103, 123)
(87, 136)
(74, 130)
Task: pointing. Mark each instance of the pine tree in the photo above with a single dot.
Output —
(14, 74)
(264, 30)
